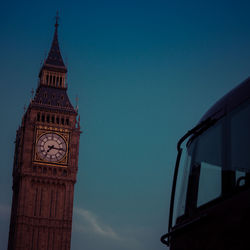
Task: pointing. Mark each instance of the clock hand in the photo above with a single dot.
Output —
(50, 147)
(59, 148)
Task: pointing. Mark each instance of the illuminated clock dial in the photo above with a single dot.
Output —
(51, 147)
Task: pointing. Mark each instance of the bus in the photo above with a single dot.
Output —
(210, 199)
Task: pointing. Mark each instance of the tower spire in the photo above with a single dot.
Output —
(53, 71)
(54, 58)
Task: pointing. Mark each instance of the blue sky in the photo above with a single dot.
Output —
(144, 72)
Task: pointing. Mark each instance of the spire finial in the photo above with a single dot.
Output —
(77, 99)
(57, 18)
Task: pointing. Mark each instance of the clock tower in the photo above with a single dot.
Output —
(45, 163)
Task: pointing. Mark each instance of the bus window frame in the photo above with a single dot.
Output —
(229, 182)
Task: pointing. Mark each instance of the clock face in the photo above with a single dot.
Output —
(51, 147)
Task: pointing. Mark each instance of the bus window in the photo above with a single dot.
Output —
(209, 183)
(182, 183)
(240, 144)
(202, 172)
(206, 168)
(209, 158)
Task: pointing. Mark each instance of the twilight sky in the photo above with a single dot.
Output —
(144, 72)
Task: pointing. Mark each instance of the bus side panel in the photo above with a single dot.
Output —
(224, 226)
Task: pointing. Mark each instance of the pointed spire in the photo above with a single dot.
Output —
(54, 57)
(53, 71)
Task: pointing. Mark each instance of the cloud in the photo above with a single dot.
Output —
(90, 230)
(87, 222)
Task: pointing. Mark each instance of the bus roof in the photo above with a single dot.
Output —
(230, 101)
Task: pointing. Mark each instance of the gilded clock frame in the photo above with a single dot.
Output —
(64, 134)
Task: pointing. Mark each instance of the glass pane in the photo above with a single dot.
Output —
(209, 157)
(240, 139)
(182, 183)
(209, 148)
(209, 184)
(241, 178)
(207, 165)
(200, 177)
(181, 187)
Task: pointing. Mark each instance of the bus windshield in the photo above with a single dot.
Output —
(217, 163)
